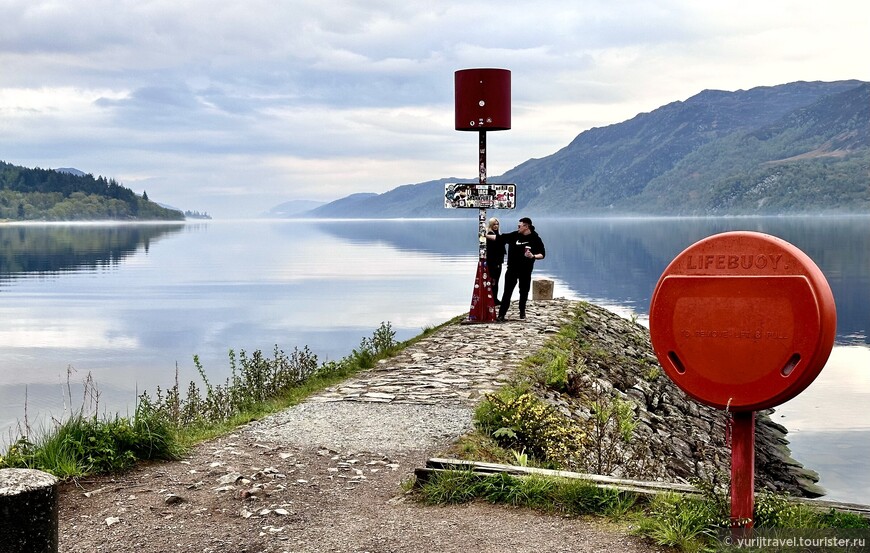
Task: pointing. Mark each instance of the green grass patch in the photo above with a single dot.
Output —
(88, 445)
(564, 496)
(690, 523)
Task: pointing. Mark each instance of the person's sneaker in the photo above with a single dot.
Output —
(500, 320)
(523, 316)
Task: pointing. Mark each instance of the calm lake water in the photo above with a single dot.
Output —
(128, 304)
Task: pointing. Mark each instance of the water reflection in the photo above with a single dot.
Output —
(130, 314)
(829, 424)
(620, 260)
(444, 237)
(27, 249)
(837, 399)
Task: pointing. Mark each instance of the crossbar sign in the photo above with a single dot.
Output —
(480, 196)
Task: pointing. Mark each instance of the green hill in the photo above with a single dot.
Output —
(69, 195)
(795, 148)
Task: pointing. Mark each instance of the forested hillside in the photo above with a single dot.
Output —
(49, 195)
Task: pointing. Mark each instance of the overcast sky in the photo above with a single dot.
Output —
(234, 107)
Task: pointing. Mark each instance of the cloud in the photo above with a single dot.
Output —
(203, 99)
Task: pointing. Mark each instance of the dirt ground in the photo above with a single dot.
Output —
(235, 494)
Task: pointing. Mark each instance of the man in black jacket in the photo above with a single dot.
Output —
(524, 247)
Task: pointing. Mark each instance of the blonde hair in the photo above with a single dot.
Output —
(490, 222)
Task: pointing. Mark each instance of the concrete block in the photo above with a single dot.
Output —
(28, 511)
(542, 289)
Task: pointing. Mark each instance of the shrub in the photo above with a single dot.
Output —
(518, 420)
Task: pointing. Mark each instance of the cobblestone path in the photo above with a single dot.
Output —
(457, 364)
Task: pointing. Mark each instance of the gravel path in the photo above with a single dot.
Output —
(326, 475)
(376, 428)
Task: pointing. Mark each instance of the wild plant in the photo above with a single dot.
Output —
(450, 487)
(567, 496)
(254, 380)
(521, 459)
(611, 430)
(519, 420)
(687, 523)
(87, 444)
(382, 342)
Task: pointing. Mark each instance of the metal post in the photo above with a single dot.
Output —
(742, 469)
(482, 303)
(481, 219)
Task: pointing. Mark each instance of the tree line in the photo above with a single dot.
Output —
(49, 195)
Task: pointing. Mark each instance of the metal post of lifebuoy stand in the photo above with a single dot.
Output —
(742, 468)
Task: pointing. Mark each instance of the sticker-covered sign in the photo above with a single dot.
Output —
(486, 196)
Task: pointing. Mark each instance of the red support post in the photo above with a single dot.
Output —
(742, 469)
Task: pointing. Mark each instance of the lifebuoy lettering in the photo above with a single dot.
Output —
(733, 262)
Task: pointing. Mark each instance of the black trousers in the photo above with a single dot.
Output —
(494, 276)
(511, 278)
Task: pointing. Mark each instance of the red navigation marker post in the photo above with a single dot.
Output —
(742, 321)
(483, 103)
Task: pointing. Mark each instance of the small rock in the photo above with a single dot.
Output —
(230, 478)
(111, 521)
(249, 493)
(93, 492)
(173, 499)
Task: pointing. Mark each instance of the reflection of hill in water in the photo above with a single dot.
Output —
(29, 249)
(621, 260)
(450, 237)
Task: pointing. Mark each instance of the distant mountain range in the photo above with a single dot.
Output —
(71, 171)
(802, 147)
(292, 208)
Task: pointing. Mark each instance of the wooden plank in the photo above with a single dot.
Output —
(423, 474)
(493, 468)
(437, 464)
(822, 504)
